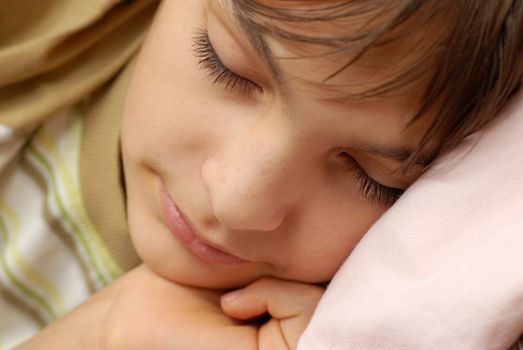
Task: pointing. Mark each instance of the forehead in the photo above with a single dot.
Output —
(296, 48)
(342, 48)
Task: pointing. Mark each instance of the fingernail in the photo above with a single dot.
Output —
(231, 296)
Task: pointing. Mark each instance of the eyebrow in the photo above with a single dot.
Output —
(232, 11)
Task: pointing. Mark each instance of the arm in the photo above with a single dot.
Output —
(80, 329)
(144, 311)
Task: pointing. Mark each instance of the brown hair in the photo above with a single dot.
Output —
(471, 70)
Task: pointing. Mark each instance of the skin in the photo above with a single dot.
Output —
(141, 310)
(261, 175)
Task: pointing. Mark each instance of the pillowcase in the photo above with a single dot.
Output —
(443, 268)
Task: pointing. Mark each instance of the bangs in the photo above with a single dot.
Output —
(357, 29)
(462, 57)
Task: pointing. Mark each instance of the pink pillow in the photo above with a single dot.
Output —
(443, 268)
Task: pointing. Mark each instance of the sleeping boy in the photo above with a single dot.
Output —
(261, 139)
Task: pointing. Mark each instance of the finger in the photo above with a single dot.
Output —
(281, 299)
(290, 304)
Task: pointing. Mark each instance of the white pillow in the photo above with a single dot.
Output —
(443, 268)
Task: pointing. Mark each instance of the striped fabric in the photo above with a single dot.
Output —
(62, 235)
(44, 229)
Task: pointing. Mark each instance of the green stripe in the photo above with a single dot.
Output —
(18, 303)
(76, 228)
(31, 170)
(19, 284)
(48, 143)
(108, 263)
(25, 269)
(70, 243)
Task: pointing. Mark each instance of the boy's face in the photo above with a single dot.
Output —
(285, 181)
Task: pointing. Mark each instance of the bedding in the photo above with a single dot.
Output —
(443, 268)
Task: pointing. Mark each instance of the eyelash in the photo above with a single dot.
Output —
(369, 187)
(209, 61)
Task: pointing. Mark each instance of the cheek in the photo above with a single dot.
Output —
(164, 125)
(165, 102)
(331, 228)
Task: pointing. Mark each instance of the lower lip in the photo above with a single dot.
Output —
(181, 230)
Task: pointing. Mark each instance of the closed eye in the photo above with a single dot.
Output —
(209, 61)
(370, 188)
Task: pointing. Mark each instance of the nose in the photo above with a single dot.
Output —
(253, 179)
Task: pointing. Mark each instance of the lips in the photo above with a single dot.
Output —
(181, 229)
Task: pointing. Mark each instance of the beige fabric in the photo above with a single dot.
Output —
(64, 67)
(100, 171)
(55, 53)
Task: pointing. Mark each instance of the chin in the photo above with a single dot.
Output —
(189, 270)
(205, 279)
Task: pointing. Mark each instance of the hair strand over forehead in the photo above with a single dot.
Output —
(470, 71)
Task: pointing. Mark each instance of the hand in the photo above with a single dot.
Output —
(290, 306)
(153, 313)
(144, 311)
